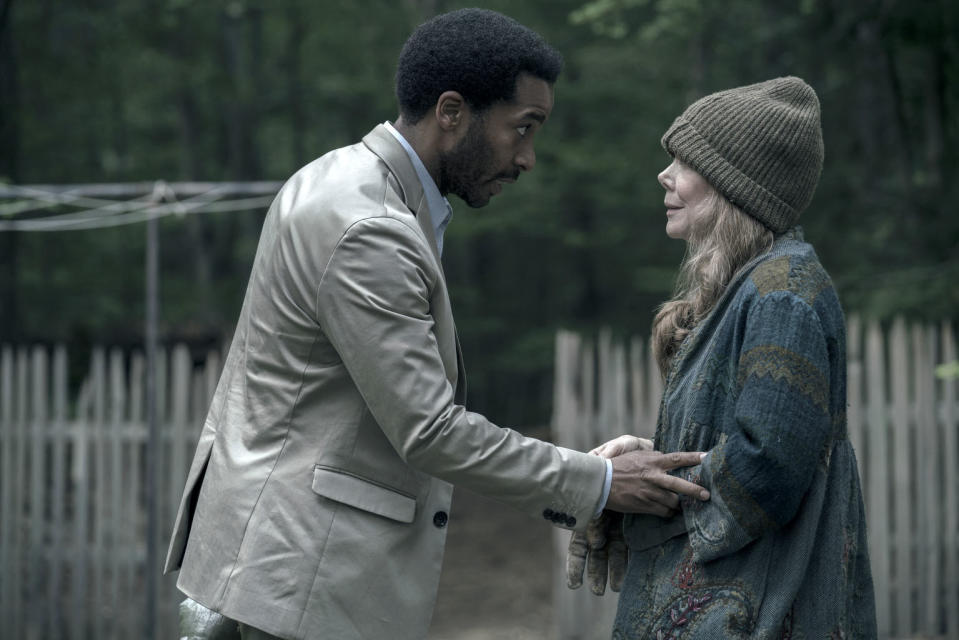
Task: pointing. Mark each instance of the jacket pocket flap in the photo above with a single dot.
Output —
(647, 531)
(363, 494)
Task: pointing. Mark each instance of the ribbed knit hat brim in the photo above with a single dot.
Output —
(759, 145)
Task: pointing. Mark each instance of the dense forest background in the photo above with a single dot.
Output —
(213, 90)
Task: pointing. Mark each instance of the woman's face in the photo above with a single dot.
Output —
(687, 200)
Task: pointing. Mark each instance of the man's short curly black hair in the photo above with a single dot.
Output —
(477, 52)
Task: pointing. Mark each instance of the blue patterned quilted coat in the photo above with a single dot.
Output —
(779, 551)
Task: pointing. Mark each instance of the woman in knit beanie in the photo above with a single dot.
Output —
(752, 348)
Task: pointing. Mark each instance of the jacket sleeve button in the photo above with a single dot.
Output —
(571, 521)
(549, 514)
(440, 519)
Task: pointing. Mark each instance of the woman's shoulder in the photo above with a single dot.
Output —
(791, 267)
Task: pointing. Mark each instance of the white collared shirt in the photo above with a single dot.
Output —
(440, 210)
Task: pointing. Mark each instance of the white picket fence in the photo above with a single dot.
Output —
(72, 477)
(73, 515)
(903, 423)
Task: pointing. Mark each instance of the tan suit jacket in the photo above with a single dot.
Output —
(317, 501)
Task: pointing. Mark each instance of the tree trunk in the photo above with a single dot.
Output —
(190, 128)
(242, 66)
(294, 87)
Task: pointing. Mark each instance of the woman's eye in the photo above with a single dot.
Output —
(522, 130)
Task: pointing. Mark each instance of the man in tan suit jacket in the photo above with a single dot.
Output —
(317, 502)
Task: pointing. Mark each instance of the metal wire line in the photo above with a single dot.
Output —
(103, 213)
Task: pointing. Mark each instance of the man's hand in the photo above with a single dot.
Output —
(601, 551)
(641, 483)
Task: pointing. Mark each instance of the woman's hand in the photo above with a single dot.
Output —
(600, 553)
(621, 445)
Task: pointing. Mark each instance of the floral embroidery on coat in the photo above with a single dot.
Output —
(702, 607)
(688, 573)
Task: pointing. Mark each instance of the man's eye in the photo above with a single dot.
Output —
(522, 130)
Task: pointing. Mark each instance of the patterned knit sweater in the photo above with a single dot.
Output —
(779, 551)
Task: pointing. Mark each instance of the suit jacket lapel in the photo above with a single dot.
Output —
(388, 148)
(383, 144)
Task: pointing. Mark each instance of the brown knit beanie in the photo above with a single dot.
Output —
(759, 145)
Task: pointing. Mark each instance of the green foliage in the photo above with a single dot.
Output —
(244, 89)
(948, 371)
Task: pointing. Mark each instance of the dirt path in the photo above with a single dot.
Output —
(497, 576)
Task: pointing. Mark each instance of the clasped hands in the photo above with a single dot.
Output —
(641, 484)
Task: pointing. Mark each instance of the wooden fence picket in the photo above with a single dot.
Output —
(134, 513)
(58, 540)
(948, 417)
(100, 607)
(7, 458)
(38, 425)
(929, 551)
(80, 475)
(19, 485)
(114, 441)
(877, 483)
(903, 522)
(854, 391)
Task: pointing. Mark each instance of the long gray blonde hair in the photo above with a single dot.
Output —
(719, 245)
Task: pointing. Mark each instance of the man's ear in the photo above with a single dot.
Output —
(452, 112)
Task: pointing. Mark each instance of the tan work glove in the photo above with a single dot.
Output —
(601, 552)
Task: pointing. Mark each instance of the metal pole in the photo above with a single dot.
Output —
(152, 310)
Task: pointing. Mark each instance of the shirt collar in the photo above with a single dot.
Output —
(440, 210)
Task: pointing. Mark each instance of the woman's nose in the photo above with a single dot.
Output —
(663, 178)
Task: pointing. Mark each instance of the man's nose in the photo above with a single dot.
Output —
(526, 159)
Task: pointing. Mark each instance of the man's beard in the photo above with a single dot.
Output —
(462, 169)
